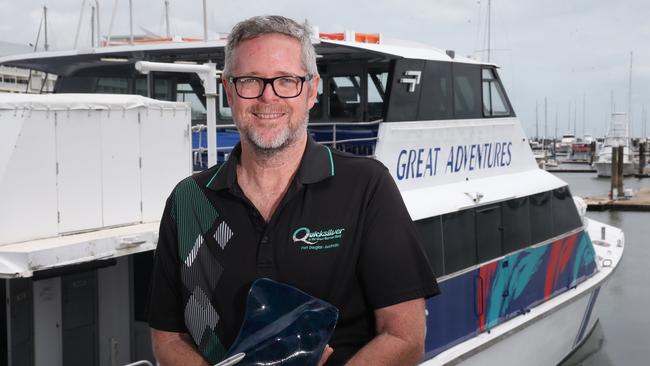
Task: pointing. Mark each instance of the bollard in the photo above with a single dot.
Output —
(642, 150)
(614, 178)
(621, 161)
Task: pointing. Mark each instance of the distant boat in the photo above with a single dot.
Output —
(617, 135)
(564, 146)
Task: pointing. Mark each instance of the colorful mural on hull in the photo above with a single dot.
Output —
(478, 300)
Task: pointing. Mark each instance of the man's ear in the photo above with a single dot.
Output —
(313, 91)
(225, 83)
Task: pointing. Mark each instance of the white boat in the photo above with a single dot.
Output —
(519, 266)
(563, 147)
(617, 135)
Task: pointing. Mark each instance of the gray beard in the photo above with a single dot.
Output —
(279, 143)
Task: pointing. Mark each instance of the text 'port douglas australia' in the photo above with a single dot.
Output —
(427, 161)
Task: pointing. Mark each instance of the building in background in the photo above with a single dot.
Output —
(17, 80)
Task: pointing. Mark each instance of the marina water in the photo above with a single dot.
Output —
(621, 337)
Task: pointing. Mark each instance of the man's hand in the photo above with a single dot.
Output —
(400, 336)
(172, 349)
(327, 352)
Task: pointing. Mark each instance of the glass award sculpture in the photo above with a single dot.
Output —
(283, 326)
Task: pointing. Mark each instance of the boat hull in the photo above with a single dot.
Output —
(546, 340)
(604, 169)
(548, 333)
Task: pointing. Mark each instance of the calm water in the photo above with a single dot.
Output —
(622, 337)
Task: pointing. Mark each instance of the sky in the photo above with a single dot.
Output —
(573, 56)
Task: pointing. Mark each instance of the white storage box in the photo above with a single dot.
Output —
(81, 162)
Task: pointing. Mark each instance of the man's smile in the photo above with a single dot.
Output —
(266, 115)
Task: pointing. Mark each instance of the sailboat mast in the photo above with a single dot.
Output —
(205, 21)
(489, 26)
(130, 22)
(629, 96)
(584, 113)
(81, 14)
(536, 121)
(99, 29)
(545, 119)
(47, 45)
(167, 18)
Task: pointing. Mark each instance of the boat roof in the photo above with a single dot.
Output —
(68, 62)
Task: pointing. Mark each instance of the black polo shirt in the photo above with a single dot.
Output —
(341, 233)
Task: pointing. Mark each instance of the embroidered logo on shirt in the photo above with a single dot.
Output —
(317, 240)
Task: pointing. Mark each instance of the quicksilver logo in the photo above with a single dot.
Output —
(305, 235)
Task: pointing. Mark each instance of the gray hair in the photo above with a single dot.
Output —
(260, 25)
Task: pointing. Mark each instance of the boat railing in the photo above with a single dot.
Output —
(355, 137)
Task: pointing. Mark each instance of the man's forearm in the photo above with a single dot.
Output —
(388, 350)
(175, 349)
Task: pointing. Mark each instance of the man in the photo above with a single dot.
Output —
(287, 208)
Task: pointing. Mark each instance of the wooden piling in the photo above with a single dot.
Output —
(620, 161)
(642, 162)
(614, 178)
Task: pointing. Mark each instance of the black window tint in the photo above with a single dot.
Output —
(345, 97)
(541, 220)
(435, 101)
(516, 224)
(488, 233)
(565, 215)
(3, 322)
(431, 233)
(459, 237)
(404, 91)
(162, 89)
(467, 91)
(112, 86)
(141, 87)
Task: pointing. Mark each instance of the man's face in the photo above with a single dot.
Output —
(270, 123)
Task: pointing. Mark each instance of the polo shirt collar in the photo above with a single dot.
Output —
(316, 165)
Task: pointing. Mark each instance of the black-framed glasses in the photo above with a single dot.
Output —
(252, 87)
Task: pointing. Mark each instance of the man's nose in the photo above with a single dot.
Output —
(268, 93)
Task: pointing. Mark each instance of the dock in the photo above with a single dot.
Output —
(568, 170)
(639, 202)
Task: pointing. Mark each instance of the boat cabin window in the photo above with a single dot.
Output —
(494, 98)
(460, 240)
(377, 81)
(436, 101)
(431, 233)
(541, 220)
(162, 88)
(223, 109)
(488, 233)
(467, 91)
(345, 97)
(516, 224)
(141, 87)
(185, 93)
(112, 86)
(563, 207)
(459, 233)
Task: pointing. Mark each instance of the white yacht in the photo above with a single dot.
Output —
(617, 135)
(519, 265)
